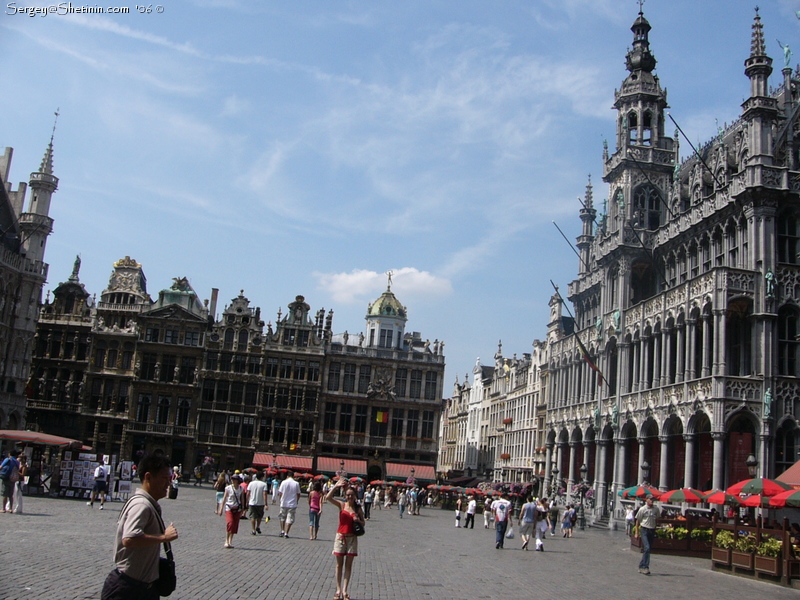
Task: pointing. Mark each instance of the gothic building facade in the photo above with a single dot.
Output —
(686, 297)
(129, 375)
(680, 362)
(23, 272)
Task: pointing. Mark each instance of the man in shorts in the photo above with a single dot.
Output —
(100, 485)
(256, 502)
(288, 496)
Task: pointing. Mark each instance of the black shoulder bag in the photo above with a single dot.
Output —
(167, 580)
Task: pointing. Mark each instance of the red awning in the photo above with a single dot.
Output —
(34, 437)
(329, 464)
(403, 471)
(283, 461)
(791, 475)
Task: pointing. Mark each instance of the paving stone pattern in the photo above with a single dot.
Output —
(62, 550)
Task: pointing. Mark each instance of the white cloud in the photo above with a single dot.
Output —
(361, 285)
(233, 106)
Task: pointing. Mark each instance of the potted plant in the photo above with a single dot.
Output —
(700, 539)
(672, 538)
(742, 553)
(768, 556)
(721, 550)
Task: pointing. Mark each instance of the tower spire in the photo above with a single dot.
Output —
(757, 46)
(47, 161)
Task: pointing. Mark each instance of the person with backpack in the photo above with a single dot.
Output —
(100, 486)
(9, 476)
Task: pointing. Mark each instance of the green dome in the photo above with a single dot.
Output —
(387, 305)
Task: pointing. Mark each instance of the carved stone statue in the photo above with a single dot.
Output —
(787, 55)
(768, 403)
(615, 415)
(769, 287)
(345, 337)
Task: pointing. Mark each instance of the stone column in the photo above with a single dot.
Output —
(718, 476)
(708, 347)
(642, 449)
(645, 344)
(663, 464)
(691, 348)
(637, 355)
(666, 355)
(657, 372)
(720, 323)
(600, 483)
(571, 470)
(548, 468)
(681, 351)
(688, 460)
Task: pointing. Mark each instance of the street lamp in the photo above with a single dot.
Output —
(645, 472)
(582, 487)
(752, 466)
(554, 472)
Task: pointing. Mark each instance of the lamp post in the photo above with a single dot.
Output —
(645, 472)
(554, 482)
(752, 466)
(582, 487)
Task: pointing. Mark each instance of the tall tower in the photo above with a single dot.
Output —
(638, 174)
(35, 224)
(759, 110)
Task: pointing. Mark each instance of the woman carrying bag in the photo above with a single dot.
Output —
(345, 547)
(233, 505)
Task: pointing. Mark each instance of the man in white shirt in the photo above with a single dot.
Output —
(100, 485)
(472, 506)
(288, 496)
(256, 502)
(502, 519)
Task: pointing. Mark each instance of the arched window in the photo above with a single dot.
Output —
(647, 129)
(182, 415)
(162, 414)
(647, 206)
(738, 331)
(633, 128)
(787, 341)
(786, 440)
(143, 409)
(243, 335)
(228, 340)
(788, 238)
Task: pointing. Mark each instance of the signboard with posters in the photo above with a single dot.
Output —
(77, 476)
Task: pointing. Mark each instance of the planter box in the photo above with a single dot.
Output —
(743, 560)
(768, 564)
(721, 555)
(667, 544)
(700, 546)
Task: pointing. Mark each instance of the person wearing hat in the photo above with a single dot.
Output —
(233, 503)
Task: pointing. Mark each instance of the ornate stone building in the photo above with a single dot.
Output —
(381, 398)
(686, 297)
(23, 272)
(131, 375)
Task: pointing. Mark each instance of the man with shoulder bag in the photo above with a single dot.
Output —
(140, 573)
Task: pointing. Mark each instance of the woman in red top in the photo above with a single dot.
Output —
(345, 547)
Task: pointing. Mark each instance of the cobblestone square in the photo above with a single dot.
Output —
(61, 549)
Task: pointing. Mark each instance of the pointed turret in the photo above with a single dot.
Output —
(759, 109)
(35, 224)
(584, 242)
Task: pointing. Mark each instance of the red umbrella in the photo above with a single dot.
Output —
(787, 498)
(641, 491)
(356, 480)
(756, 500)
(321, 477)
(682, 495)
(765, 487)
(720, 497)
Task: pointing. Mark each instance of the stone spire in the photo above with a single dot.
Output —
(757, 47)
(639, 57)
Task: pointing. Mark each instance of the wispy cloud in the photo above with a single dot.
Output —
(360, 285)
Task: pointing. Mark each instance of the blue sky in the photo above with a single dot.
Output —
(308, 147)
